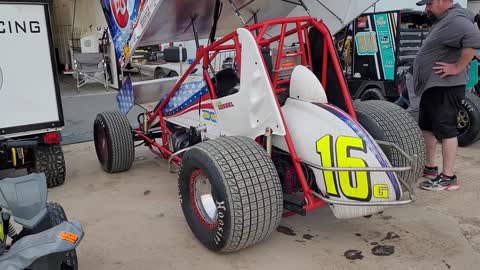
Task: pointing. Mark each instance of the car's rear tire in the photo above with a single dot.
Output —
(50, 160)
(245, 202)
(113, 141)
(389, 122)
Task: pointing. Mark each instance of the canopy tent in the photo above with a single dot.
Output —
(148, 22)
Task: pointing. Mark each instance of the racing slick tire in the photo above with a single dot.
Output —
(230, 193)
(114, 143)
(468, 124)
(389, 122)
(50, 160)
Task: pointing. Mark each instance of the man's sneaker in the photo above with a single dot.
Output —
(441, 182)
(430, 172)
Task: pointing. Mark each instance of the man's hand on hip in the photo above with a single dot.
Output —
(444, 69)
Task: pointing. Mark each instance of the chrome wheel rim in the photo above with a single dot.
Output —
(203, 200)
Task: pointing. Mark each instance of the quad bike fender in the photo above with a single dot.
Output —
(61, 238)
(254, 107)
(25, 197)
(328, 137)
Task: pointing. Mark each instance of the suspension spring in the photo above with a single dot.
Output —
(12, 233)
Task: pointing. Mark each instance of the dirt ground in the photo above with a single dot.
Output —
(133, 220)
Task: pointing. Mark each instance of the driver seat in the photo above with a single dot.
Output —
(225, 82)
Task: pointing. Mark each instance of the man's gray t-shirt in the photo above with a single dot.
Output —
(450, 33)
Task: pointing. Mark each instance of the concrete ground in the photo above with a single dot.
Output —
(133, 220)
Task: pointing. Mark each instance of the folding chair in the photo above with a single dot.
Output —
(88, 67)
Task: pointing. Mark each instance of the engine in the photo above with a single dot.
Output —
(184, 137)
(288, 176)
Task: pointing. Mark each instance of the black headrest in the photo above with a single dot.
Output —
(224, 81)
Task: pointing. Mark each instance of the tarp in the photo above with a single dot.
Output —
(147, 22)
(336, 14)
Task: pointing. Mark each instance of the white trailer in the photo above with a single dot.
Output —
(30, 103)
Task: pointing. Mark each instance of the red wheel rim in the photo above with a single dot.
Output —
(101, 144)
(201, 198)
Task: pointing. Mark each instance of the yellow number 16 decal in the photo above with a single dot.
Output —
(338, 155)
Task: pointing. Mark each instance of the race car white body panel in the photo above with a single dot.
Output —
(305, 86)
(247, 113)
(324, 135)
(250, 111)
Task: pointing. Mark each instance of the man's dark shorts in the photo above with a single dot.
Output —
(439, 109)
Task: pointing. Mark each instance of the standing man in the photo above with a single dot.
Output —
(440, 76)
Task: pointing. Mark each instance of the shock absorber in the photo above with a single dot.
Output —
(7, 226)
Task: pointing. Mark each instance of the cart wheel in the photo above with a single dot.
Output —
(230, 193)
(113, 141)
(468, 120)
(49, 159)
(372, 94)
(389, 122)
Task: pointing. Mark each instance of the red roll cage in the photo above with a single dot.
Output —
(299, 26)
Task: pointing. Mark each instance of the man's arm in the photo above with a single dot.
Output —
(462, 34)
(445, 69)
